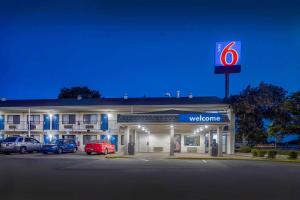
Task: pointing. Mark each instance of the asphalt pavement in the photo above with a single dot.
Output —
(77, 176)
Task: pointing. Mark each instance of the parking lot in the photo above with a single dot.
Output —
(77, 176)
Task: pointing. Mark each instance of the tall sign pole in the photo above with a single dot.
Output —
(226, 85)
(228, 60)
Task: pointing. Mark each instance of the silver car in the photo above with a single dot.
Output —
(20, 145)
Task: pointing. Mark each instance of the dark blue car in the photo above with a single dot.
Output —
(60, 146)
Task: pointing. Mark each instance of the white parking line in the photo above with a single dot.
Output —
(204, 161)
(145, 160)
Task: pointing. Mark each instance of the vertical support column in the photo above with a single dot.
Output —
(135, 140)
(51, 127)
(172, 133)
(210, 142)
(126, 140)
(220, 143)
(232, 132)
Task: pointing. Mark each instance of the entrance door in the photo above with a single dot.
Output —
(113, 140)
(143, 142)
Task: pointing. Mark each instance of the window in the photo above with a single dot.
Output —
(68, 119)
(34, 141)
(34, 119)
(13, 119)
(10, 139)
(89, 138)
(27, 139)
(90, 119)
(191, 140)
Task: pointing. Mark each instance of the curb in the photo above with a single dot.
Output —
(238, 159)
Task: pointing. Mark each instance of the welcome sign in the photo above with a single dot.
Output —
(203, 118)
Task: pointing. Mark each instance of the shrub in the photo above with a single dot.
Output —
(245, 149)
(293, 154)
(261, 153)
(254, 152)
(272, 154)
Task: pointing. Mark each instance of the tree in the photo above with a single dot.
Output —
(75, 92)
(292, 106)
(252, 106)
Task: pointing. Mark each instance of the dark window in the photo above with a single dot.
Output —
(20, 140)
(34, 119)
(68, 119)
(28, 140)
(122, 139)
(191, 140)
(13, 119)
(89, 138)
(90, 119)
(10, 139)
(34, 141)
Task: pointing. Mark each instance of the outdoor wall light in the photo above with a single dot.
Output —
(50, 115)
(139, 126)
(201, 129)
(109, 115)
(171, 126)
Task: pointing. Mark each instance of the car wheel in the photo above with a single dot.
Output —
(22, 150)
(88, 153)
(106, 152)
(59, 151)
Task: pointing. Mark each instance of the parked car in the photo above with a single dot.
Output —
(99, 147)
(20, 145)
(1, 140)
(60, 146)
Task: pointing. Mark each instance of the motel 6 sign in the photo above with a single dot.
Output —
(228, 57)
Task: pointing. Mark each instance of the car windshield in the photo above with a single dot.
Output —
(10, 139)
(56, 142)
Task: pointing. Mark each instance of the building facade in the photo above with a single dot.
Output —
(173, 125)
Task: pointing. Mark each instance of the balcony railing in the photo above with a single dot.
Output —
(41, 126)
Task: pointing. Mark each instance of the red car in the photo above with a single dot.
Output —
(99, 147)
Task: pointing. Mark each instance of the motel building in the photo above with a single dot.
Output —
(163, 124)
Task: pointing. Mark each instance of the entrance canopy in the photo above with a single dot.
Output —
(174, 117)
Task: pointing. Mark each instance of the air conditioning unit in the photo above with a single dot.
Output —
(68, 126)
(12, 127)
(89, 126)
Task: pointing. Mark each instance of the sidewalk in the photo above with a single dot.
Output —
(200, 156)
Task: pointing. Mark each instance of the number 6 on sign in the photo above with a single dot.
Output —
(228, 57)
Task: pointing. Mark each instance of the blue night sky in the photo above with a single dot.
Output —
(144, 47)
